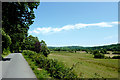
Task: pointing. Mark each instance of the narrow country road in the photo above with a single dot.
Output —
(16, 67)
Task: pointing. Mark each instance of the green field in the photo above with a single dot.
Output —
(86, 65)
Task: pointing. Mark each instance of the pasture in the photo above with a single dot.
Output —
(86, 66)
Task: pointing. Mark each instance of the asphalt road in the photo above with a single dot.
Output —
(17, 67)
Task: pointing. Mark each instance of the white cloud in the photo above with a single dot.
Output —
(102, 24)
(115, 22)
(71, 27)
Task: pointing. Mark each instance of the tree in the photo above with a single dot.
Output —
(16, 19)
(29, 43)
(97, 54)
(37, 47)
(103, 51)
(44, 49)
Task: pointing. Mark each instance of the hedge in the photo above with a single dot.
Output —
(55, 68)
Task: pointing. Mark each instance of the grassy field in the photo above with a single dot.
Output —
(87, 66)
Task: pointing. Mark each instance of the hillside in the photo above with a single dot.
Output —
(112, 47)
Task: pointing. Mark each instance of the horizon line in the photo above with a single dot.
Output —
(82, 45)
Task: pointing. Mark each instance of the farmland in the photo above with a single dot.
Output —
(86, 66)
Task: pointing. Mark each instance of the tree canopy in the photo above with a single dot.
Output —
(16, 19)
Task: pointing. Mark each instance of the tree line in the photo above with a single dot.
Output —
(98, 51)
(112, 47)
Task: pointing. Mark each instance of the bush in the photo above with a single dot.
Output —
(95, 52)
(6, 52)
(39, 73)
(98, 55)
(6, 41)
(103, 52)
(44, 49)
(55, 68)
(30, 54)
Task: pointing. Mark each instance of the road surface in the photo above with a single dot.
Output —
(16, 67)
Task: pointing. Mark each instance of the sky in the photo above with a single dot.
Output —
(76, 23)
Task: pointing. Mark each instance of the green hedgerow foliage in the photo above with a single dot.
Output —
(55, 68)
(97, 54)
(6, 40)
(44, 49)
(6, 51)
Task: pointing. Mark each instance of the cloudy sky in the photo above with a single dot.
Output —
(76, 23)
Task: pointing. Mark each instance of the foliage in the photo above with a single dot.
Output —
(6, 52)
(55, 68)
(6, 40)
(30, 54)
(97, 54)
(32, 43)
(103, 51)
(45, 51)
(39, 73)
(29, 43)
(16, 19)
(37, 47)
(112, 47)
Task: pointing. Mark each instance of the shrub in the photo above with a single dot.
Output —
(98, 55)
(55, 68)
(6, 52)
(103, 52)
(30, 54)
(95, 52)
(6, 40)
(44, 49)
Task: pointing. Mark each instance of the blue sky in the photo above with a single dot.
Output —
(76, 23)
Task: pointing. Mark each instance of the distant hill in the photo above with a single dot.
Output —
(112, 47)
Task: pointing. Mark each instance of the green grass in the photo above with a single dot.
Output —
(87, 66)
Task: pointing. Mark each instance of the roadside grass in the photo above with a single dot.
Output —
(86, 65)
(40, 73)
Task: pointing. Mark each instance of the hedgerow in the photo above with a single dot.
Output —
(55, 68)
